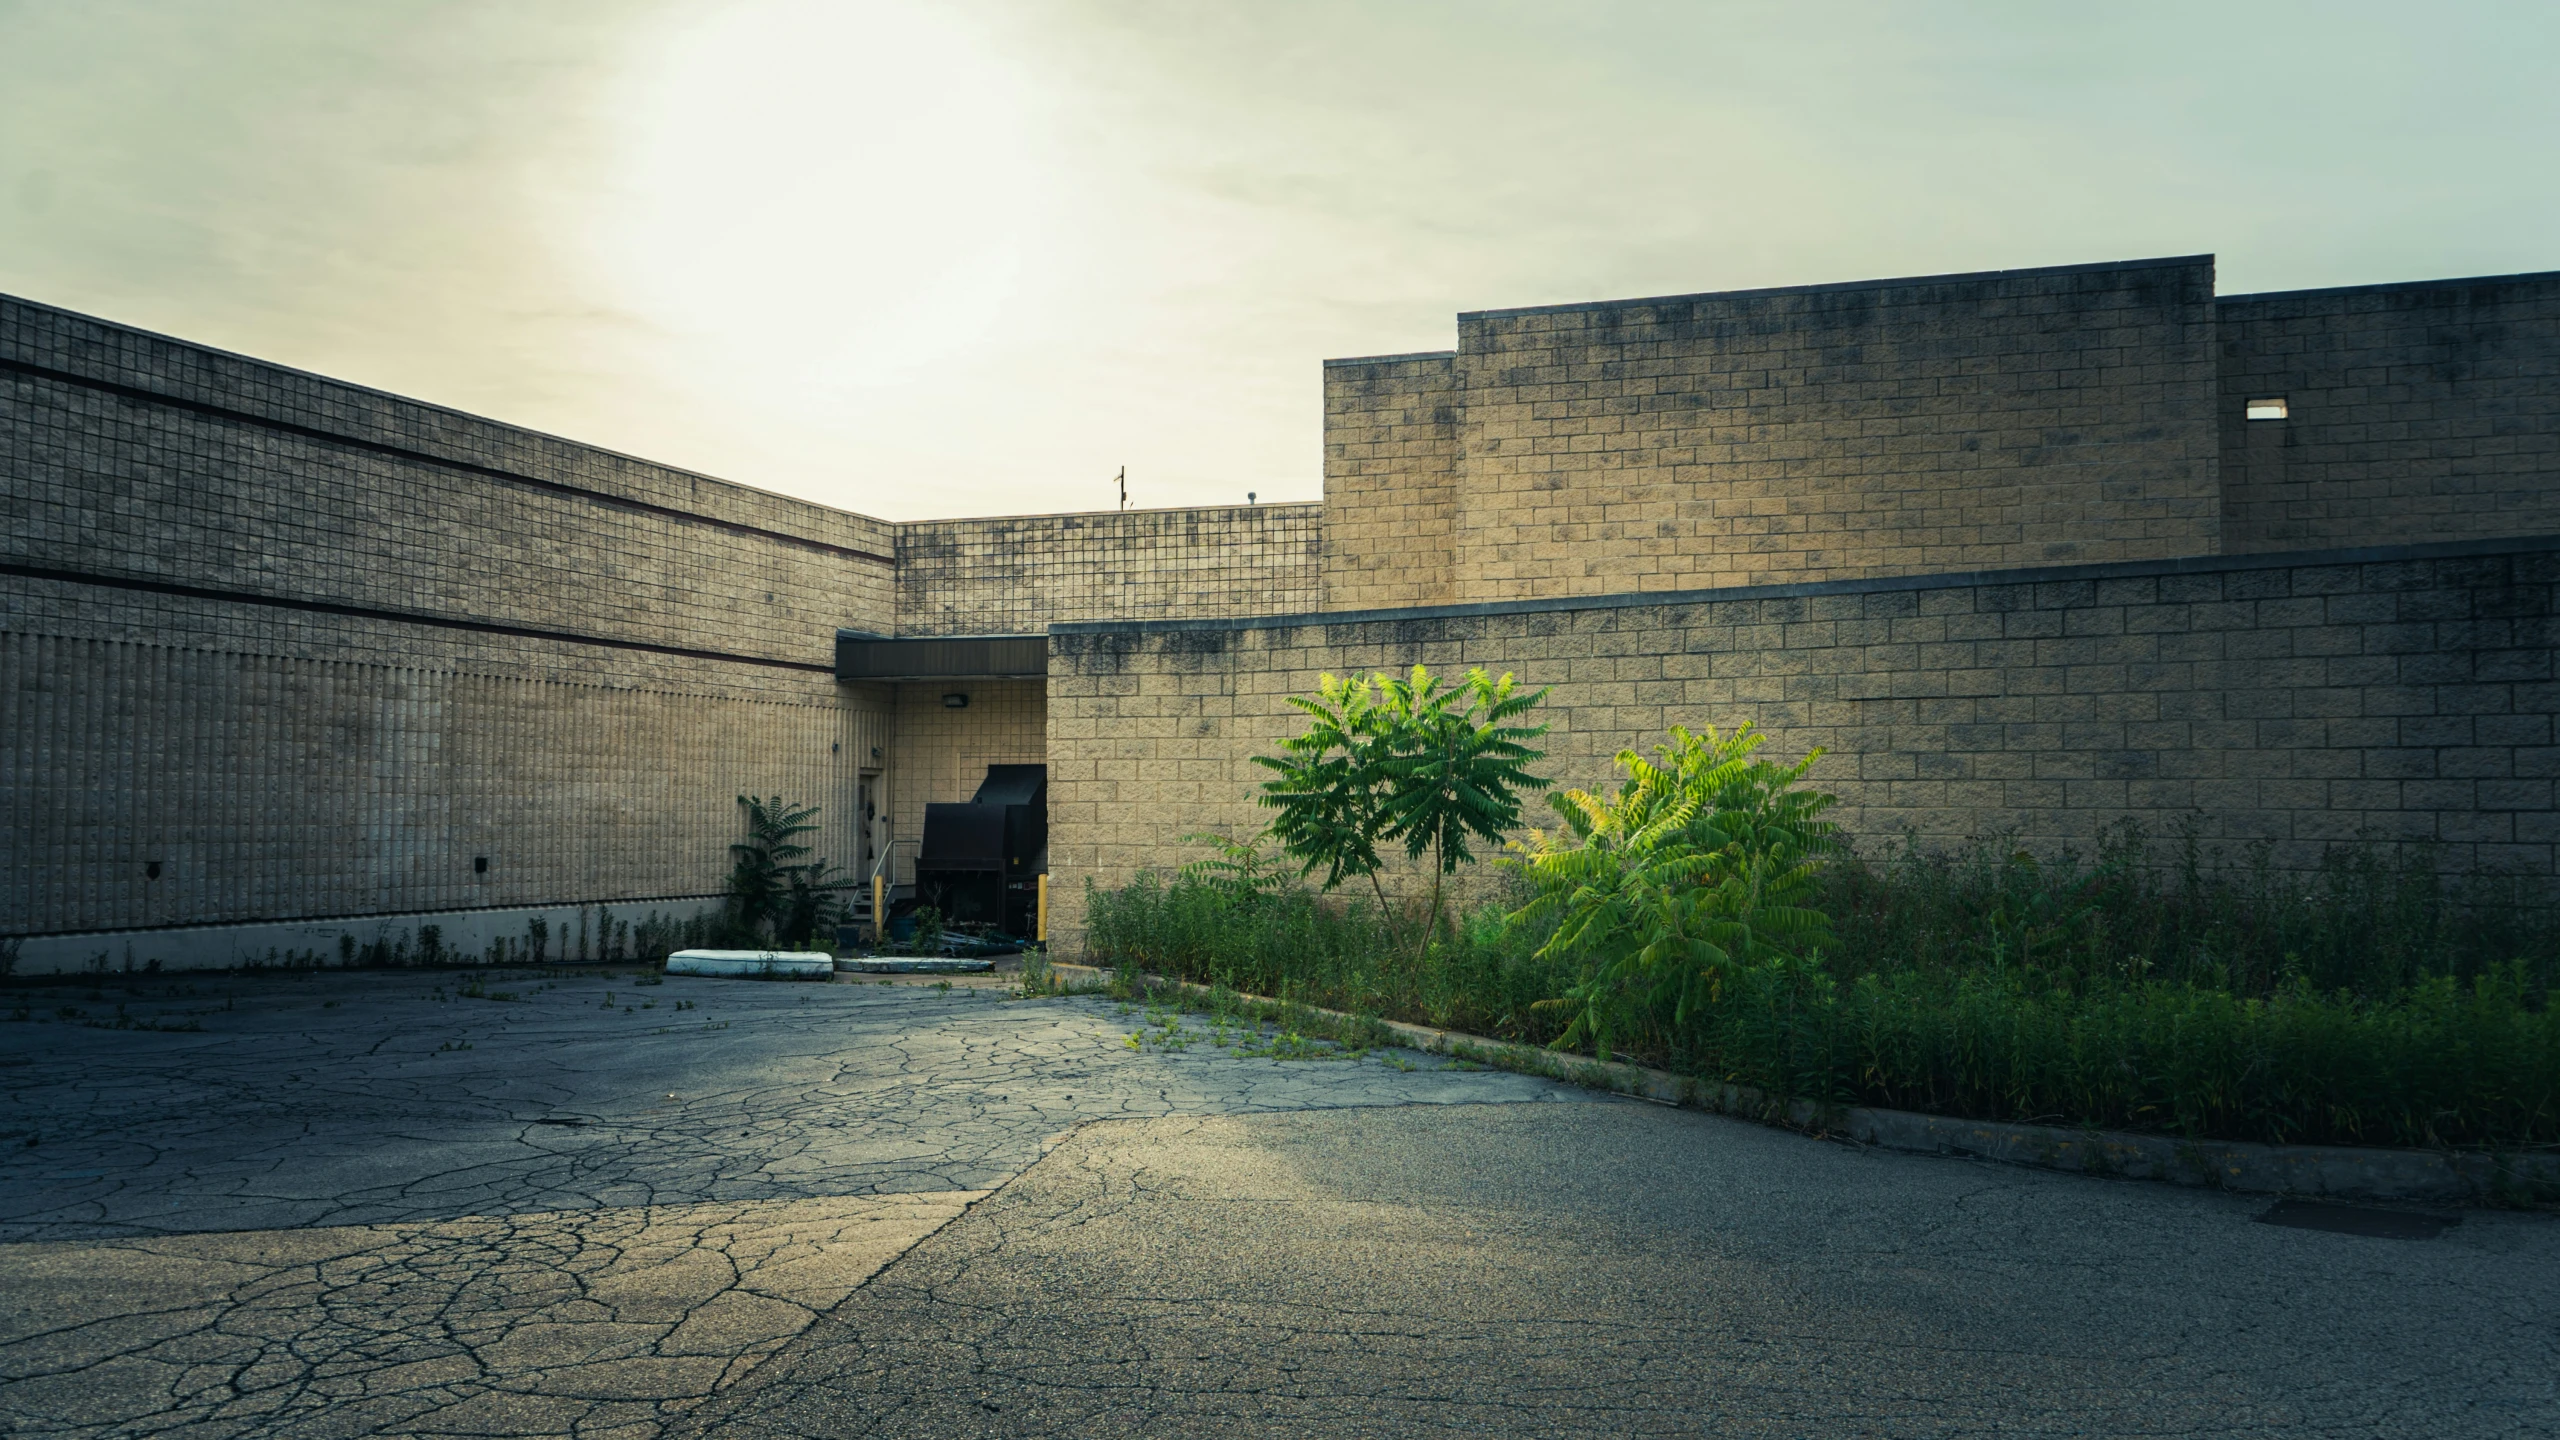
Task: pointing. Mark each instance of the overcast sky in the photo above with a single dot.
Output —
(973, 256)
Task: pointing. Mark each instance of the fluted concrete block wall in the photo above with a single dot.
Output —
(1014, 575)
(2418, 413)
(265, 787)
(132, 455)
(313, 650)
(2302, 701)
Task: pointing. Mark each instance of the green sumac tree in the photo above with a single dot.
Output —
(774, 890)
(1700, 866)
(1401, 762)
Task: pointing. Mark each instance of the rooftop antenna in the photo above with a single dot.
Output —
(1124, 487)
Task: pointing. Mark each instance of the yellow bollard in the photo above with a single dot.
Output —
(879, 911)
(1040, 932)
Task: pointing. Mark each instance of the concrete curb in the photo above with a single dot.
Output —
(2333, 1172)
(916, 965)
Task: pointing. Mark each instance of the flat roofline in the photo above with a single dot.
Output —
(1132, 510)
(1945, 580)
(528, 432)
(1393, 359)
(1893, 283)
(427, 405)
(2387, 286)
(847, 632)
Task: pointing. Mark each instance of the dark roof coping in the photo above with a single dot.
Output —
(1897, 282)
(1258, 505)
(2387, 286)
(1392, 359)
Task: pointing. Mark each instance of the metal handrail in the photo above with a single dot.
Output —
(888, 853)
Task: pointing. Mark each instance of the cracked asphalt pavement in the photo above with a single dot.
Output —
(373, 1204)
(473, 1203)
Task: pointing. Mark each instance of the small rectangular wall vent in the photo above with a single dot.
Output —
(2271, 408)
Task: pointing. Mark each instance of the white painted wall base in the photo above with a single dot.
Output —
(571, 933)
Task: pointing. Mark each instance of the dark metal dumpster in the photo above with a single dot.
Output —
(980, 863)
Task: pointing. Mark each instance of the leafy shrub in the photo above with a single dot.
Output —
(1701, 866)
(2378, 1001)
(1395, 761)
(774, 893)
(929, 930)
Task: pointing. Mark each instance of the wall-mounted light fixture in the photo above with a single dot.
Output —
(150, 869)
(2270, 408)
(955, 701)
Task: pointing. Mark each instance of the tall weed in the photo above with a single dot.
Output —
(2141, 987)
(2372, 921)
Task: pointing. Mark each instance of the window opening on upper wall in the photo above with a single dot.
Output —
(2270, 408)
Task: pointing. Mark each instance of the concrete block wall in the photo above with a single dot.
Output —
(1897, 427)
(131, 456)
(2418, 412)
(2300, 700)
(372, 638)
(156, 784)
(1014, 575)
(938, 755)
(1391, 470)
(313, 649)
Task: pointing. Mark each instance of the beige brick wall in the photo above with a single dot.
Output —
(2418, 413)
(215, 471)
(269, 786)
(1903, 427)
(495, 644)
(2300, 701)
(938, 755)
(1014, 575)
(1391, 468)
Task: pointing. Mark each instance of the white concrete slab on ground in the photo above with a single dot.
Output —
(753, 964)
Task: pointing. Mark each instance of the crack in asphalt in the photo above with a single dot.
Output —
(345, 1206)
(576, 1322)
(377, 1204)
(1655, 1275)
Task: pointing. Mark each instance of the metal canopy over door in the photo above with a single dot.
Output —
(862, 656)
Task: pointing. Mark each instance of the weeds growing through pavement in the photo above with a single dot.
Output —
(1246, 1027)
